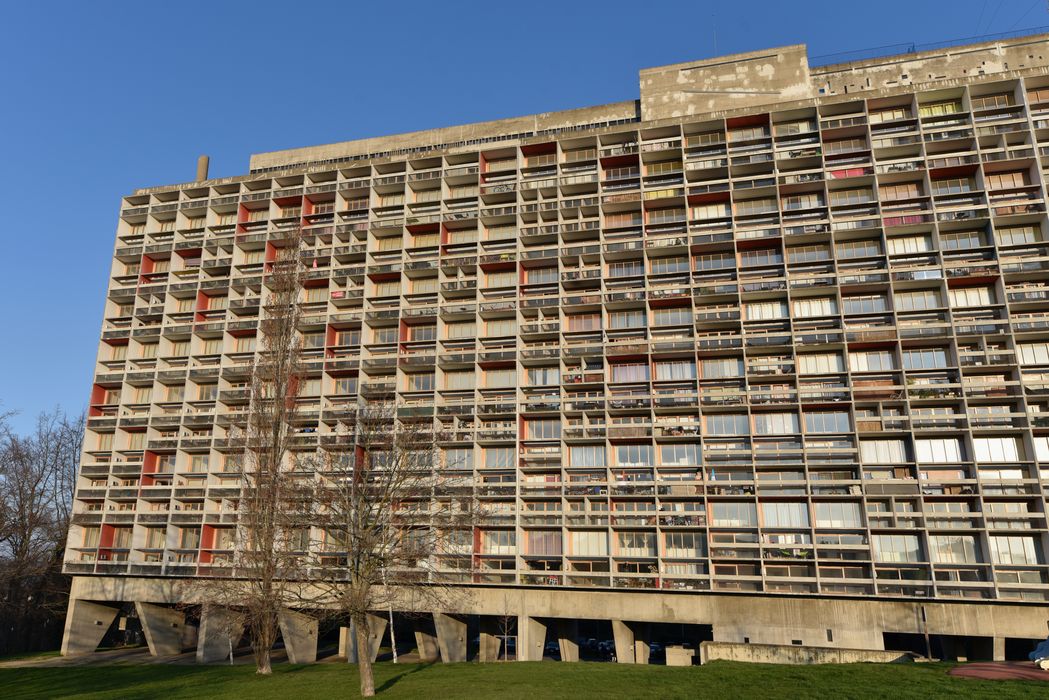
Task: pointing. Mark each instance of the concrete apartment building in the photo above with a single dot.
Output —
(764, 353)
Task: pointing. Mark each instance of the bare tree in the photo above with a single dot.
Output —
(37, 480)
(386, 516)
(269, 513)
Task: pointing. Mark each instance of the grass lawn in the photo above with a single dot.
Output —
(533, 681)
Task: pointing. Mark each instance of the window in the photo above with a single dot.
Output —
(827, 422)
(198, 463)
(918, 301)
(990, 101)
(345, 385)
(626, 319)
(461, 329)
(207, 392)
(499, 458)
(586, 455)
(858, 249)
(902, 190)
(459, 458)
(592, 544)
(721, 368)
(672, 317)
(679, 455)
(954, 549)
(1017, 551)
(583, 322)
(423, 381)
(838, 514)
(764, 256)
(499, 378)
(348, 337)
(808, 253)
(426, 285)
(903, 245)
(245, 343)
(734, 514)
(633, 455)
(1006, 181)
(715, 261)
(543, 376)
(626, 268)
(859, 195)
(675, 370)
(1033, 353)
(726, 424)
(136, 441)
(543, 543)
(872, 361)
(634, 372)
(211, 346)
(189, 537)
(962, 240)
(997, 449)
(542, 429)
(954, 185)
(820, 363)
(896, 548)
(636, 544)
(764, 310)
(156, 537)
(933, 451)
(501, 279)
(390, 288)
(817, 306)
(498, 542)
(784, 515)
(684, 545)
(883, 452)
(666, 266)
(541, 275)
(500, 327)
(1017, 235)
(866, 304)
(967, 297)
(935, 109)
(927, 358)
(775, 423)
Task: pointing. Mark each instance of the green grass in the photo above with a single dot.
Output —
(505, 681)
(22, 656)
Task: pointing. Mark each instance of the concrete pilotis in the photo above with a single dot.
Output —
(531, 638)
(451, 637)
(348, 638)
(490, 638)
(426, 641)
(567, 634)
(299, 633)
(86, 624)
(631, 641)
(164, 628)
(220, 631)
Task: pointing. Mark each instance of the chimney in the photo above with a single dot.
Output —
(202, 168)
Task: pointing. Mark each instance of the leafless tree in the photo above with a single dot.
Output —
(269, 513)
(37, 480)
(386, 517)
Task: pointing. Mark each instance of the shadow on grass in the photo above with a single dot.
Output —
(390, 682)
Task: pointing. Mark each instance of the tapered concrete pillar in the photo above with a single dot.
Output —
(220, 631)
(998, 653)
(491, 638)
(451, 637)
(426, 642)
(164, 628)
(567, 636)
(86, 624)
(531, 638)
(631, 641)
(299, 633)
(348, 638)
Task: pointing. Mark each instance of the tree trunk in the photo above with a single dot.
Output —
(364, 655)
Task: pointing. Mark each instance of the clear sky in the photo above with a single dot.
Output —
(98, 98)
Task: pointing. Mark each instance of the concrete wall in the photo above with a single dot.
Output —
(788, 654)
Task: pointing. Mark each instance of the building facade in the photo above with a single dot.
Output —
(767, 348)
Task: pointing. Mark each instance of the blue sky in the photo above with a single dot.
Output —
(98, 98)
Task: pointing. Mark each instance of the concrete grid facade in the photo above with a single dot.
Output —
(771, 335)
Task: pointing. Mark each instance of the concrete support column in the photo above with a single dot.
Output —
(490, 637)
(426, 642)
(220, 630)
(998, 653)
(164, 628)
(348, 638)
(531, 638)
(299, 633)
(86, 624)
(567, 639)
(631, 641)
(451, 637)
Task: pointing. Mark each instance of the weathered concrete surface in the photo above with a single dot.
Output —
(220, 629)
(86, 624)
(426, 641)
(531, 638)
(164, 628)
(631, 640)
(788, 654)
(299, 633)
(567, 639)
(679, 655)
(491, 631)
(451, 637)
(348, 638)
